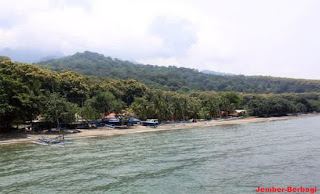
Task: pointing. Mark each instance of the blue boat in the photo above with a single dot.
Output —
(151, 122)
(50, 141)
(134, 121)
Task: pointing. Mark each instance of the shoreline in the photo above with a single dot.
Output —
(105, 132)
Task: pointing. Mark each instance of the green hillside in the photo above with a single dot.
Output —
(177, 79)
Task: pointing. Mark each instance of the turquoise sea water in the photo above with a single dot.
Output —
(219, 159)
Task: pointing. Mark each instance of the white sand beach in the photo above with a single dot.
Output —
(104, 131)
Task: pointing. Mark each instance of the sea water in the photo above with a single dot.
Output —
(218, 159)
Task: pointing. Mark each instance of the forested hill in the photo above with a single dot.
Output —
(27, 91)
(177, 79)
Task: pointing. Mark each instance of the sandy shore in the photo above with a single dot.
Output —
(27, 138)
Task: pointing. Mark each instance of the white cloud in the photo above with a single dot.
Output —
(176, 34)
(268, 37)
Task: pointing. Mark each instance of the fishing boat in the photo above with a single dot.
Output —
(49, 141)
(151, 122)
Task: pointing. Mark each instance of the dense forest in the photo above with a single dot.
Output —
(27, 91)
(177, 79)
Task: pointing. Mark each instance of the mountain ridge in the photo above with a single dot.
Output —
(176, 78)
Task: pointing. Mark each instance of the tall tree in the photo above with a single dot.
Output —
(56, 109)
(105, 102)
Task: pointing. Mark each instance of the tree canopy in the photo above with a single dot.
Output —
(28, 90)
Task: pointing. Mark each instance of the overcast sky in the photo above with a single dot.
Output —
(264, 37)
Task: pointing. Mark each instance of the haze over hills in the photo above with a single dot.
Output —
(174, 78)
(215, 72)
(29, 55)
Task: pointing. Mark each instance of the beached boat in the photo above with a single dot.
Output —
(49, 141)
(151, 122)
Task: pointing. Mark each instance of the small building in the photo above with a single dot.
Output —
(239, 113)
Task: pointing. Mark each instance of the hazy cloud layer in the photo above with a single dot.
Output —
(268, 37)
(176, 34)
